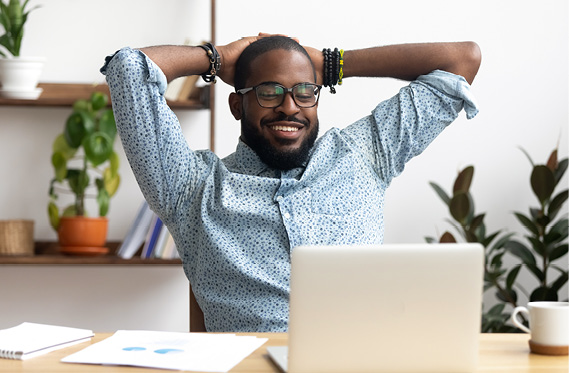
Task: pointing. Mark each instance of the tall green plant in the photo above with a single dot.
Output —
(471, 228)
(90, 127)
(13, 17)
(547, 230)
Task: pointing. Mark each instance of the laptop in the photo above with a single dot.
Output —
(384, 308)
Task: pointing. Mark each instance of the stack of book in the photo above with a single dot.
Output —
(148, 235)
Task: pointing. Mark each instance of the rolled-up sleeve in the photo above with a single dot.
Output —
(163, 164)
(402, 127)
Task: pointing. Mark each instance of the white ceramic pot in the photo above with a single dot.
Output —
(19, 77)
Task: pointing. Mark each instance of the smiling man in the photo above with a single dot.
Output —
(237, 220)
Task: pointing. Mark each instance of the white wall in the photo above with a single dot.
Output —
(522, 88)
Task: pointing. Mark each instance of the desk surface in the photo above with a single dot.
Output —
(498, 353)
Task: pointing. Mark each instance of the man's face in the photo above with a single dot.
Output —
(281, 136)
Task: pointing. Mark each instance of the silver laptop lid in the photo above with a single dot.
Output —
(402, 307)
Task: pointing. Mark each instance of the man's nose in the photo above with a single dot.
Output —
(288, 105)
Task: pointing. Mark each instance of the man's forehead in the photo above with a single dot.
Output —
(281, 63)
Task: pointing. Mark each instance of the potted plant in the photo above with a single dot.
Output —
(19, 75)
(542, 255)
(85, 166)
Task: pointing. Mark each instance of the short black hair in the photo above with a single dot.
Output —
(259, 47)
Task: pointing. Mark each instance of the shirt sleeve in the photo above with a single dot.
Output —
(402, 127)
(164, 166)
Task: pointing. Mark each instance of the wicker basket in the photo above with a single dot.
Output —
(16, 237)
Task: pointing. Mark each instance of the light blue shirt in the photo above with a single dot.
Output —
(236, 221)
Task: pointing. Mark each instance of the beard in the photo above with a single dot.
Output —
(272, 156)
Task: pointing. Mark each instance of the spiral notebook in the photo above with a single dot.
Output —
(29, 340)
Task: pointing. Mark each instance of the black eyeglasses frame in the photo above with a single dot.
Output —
(318, 87)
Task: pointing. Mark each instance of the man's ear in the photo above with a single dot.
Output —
(235, 105)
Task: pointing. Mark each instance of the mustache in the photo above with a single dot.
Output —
(281, 117)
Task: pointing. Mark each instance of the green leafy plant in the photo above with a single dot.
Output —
(13, 17)
(546, 238)
(471, 228)
(547, 230)
(83, 159)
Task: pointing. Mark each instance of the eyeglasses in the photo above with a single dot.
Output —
(271, 95)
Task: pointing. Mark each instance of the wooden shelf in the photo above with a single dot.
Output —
(64, 95)
(47, 253)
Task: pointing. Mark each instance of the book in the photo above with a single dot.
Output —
(170, 251)
(151, 237)
(187, 87)
(29, 340)
(174, 88)
(136, 235)
(161, 242)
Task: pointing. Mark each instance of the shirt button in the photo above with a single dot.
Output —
(287, 215)
(279, 198)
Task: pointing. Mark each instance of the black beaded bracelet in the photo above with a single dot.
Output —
(215, 62)
(331, 73)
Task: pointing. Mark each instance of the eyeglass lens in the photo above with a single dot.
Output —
(272, 95)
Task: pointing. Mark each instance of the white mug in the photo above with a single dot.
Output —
(548, 322)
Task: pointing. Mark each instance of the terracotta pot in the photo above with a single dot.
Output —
(81, 235)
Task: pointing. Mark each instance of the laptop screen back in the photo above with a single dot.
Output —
(399, 307)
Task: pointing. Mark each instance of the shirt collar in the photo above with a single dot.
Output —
(249, 163)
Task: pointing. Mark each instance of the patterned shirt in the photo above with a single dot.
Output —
(236, 221)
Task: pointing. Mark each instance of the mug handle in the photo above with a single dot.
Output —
(515, 320)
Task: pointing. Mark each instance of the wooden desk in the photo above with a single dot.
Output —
(498, 353)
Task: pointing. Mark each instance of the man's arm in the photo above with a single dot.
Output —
(408, 61)
(402, 61)
(176, 60)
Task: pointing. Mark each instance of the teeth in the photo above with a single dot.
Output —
(285, 128)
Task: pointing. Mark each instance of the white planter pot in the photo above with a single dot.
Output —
(19, 77)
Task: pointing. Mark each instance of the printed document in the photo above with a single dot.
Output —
(169, 350)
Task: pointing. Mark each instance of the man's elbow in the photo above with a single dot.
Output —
(470, 60)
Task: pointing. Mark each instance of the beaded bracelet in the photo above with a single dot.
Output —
(214, 60)
(333, 68)
(341, 73)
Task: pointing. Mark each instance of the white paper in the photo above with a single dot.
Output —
(169, 350)
(30, 339)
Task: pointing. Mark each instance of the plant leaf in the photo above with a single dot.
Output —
(476, 221)
(111, 181)
(543, 293)
(463, 180)
(442, 194)
(560, 171)
(98, 147)
(558, 252)
(556, 203)
(558, 232)
(447, 237)
(102, 197)
(542, 183)
(53, 213)
(75, 130)
(518, 249)
(107, 124)
(528, 156)
(552, 161)
(78, 180)
(61, 145)
(460, 207)
(60, 166)
(527, 223)
(511, 279)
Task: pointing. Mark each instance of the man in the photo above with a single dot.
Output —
(236, 221)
